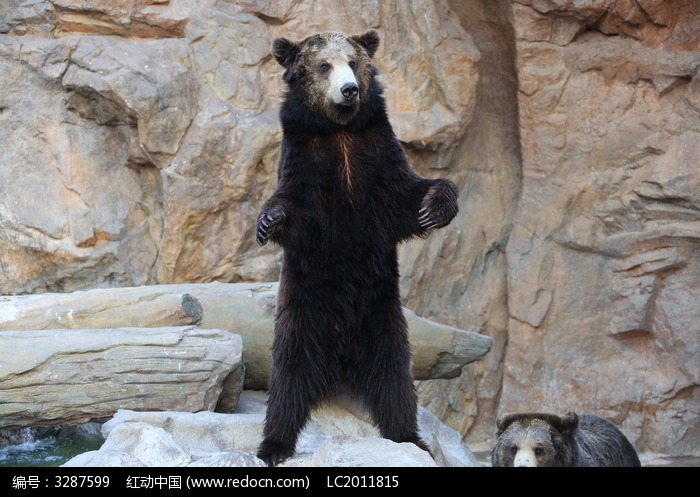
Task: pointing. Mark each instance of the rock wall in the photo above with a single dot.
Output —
(142, 137)
(139, 139)
(603, 257)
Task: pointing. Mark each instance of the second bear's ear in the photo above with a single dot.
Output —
(368, 40)
(284, 51)
(504, 421)
(565, 424)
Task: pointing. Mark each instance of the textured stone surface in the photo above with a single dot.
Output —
(150, 134)
(603, 255)
(74, 376)
(462, 278)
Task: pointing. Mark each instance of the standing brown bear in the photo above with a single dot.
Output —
(346, 197)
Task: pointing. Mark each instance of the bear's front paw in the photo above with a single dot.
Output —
(439, 206)
(269, 222)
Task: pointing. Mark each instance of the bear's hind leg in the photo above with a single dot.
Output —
(302, 377)
(384, 380)
(280, 433)
(288, 410)
(393, 406)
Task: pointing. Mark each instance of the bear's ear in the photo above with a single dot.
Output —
(565, 424)
(503, 422)
(285, 51)
(368, 40)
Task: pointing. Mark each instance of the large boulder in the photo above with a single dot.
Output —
(65, 377)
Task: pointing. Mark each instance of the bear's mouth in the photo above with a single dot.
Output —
(349, 102)
(345, 112)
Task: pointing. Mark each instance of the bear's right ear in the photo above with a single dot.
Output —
(285, 51)
(369, 40)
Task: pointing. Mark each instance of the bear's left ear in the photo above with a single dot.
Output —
(368, 40)
(285, 51)
(504, 421)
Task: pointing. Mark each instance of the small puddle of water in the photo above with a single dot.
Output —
(31, 447)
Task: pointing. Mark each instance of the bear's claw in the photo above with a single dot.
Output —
(439, 206)
(268, 224)
(426, 219)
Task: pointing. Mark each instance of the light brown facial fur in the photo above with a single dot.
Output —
(334, 69)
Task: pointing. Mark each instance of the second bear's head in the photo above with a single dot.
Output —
(331, 70)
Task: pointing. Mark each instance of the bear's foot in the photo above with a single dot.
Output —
(273, 453)
(422, 445)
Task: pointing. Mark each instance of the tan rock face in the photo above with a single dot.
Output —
(139, 139)
(157, 133)
(601, 259)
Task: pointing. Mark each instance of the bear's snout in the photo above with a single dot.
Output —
(344, 88)
(525, 459)
(350, 90)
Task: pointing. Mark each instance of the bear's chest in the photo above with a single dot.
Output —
(340, 190)
(346, 165)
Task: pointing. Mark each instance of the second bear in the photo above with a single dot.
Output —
(574, 440)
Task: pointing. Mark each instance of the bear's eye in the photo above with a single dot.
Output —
(353, 65)
(324, 67)
(513, 450)
(539, 451)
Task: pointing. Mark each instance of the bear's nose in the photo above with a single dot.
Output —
(350, 90)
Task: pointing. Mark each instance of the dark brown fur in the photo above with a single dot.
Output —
(346, 197)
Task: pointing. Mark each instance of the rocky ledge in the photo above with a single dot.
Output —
(338, 435)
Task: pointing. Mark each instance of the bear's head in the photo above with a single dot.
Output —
(331, 70)
(534, 440)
